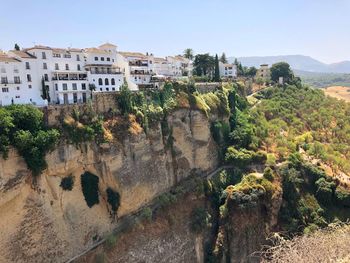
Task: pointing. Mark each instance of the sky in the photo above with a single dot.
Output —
(317, 28)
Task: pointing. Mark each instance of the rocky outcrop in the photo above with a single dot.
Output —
(43, 223)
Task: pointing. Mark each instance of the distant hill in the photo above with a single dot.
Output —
(297, 62)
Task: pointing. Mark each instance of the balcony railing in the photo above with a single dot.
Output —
(10, 82)
(140, 72)
(138, 63)
(94, 71)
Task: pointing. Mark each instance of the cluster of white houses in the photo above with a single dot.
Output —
(40, 75)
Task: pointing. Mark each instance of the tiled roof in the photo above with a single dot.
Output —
(96, 50)
(22, 54)
(58, 50)
(133, 54)
(7, 58)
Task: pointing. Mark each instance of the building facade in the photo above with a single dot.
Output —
(227, 71)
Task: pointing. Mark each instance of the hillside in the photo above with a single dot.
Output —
(297, 62)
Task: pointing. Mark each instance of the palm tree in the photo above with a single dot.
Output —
(188, 53)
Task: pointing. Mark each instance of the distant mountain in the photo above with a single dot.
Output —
(297, 62)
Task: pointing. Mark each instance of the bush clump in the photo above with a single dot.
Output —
(113, 198)
(22, 126)
(67, 183)
(89, 185)
(200, 219)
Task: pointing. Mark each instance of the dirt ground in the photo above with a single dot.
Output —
(339, 92)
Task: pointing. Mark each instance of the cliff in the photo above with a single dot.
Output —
(40, 222)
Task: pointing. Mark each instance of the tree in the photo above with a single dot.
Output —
(281, 69)
(188, 53)
(216, 70)
(17, 47)
(204, 65)
(223, 58)
(124, 99)
(251, 72)
(239, 67)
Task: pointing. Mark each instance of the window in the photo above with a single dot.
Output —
(75, 98)
(84, 97)
(100, 82)
(102, 59)
(64, 86)
(44, 65)
(113, 88)
(17, 80)
(5, 89)
(27, 65)
(67, 67)
(78, 57)
(107, 89)
(67, 56)
(100, 89)
(3, 70)
(18, 88)
(83, 86)
(46, 77)
(55, 55)
(56, 86)
(56, 66)
(106, 82)
(43, 55)
(4, 80)
(74, 86)
(108, 59)
(17, 96)
(29, 86)
(96, 58)
(15, 70)
(113, 81)
(78, 67)
(29, 78)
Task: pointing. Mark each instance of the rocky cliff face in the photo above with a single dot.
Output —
(42, 223)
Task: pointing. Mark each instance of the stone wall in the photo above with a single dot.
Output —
(101, 103)
(206, 87)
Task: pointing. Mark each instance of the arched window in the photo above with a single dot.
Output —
(113, 81)
(106, 82)
(100, 82)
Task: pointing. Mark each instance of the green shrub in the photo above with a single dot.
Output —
(268, 174)
(166, 199)
(113, 198)
(89, 185)
(241, 157)
(200, 219)
(111, 241)
(342, 196)
(67, 183)
(324, 190)
(146, 214)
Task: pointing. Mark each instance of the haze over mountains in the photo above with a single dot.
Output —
(297, 62)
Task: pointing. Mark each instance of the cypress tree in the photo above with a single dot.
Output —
(217, 70)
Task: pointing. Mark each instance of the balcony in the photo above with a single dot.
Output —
(139, 63)
(140, 72)
(69, 77)
(5, 82)
(103, 71)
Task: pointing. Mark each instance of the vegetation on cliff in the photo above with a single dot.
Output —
(22, 126)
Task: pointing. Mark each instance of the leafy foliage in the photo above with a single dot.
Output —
(22, 127)
(67, 183)
(113, 198)
(89, 185)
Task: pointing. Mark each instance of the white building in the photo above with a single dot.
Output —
(61, 73)
(179, 65)
(228, 71)
(162, 67)
(138, 69)
(17, 81)
(101, 64)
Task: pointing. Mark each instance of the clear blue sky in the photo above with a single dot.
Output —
(318, 28)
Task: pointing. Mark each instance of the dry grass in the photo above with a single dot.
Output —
(339, 92)
(328, 245)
